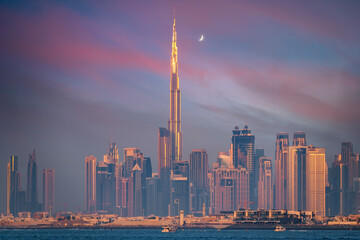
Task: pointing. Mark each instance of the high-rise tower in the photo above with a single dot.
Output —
(31, 197)
(174, 124)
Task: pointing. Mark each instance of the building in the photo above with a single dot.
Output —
(259, 152)
(299, 139)
(153, 202)
(122, 196)
(135, 194)
(179, 188)
(242, 150)
(231, 189)
(198, 171)
(90, 183)
(174, 124)
(105, 187)
(224, 160)
(281, 161)
(32, 194)
(48, 190)
(13, 186)
(164, 167)
(112, 157)
(265, 191)
(296, 180)
(179, 194)
(132, 156)
(316, 168)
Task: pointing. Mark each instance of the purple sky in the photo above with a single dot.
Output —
(75, 74)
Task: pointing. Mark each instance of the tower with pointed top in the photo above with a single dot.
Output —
(174, 123)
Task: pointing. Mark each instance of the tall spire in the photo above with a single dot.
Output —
(174, 124)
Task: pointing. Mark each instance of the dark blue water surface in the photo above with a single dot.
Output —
(149, 234)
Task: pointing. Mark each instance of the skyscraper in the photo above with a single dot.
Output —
(105, 187)
(112, 157)
(299, 139)
(242, 149)
(296, 181)
(316, 168)
(13, 185)
(174, 124)
(265, 192)
(164, 167)
(31, 197)
(136, 200)
(231, 189)
(132, 156)
(48, 190)
(346, 151)
(90, 183)
(224, 160)
(198, 171)
(281, 161)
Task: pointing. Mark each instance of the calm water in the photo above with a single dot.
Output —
(149, 234)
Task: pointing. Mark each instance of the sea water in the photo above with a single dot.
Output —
(188, 234)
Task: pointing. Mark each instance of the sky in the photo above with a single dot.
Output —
(76, 74)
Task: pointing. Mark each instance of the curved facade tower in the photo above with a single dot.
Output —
(174, 124)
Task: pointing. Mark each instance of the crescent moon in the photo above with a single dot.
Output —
(201, 38)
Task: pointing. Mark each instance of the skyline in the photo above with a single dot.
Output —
(50, 108)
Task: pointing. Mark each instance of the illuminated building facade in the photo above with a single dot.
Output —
(316, 168)
(231, 189)
(265, 191)
(299, 139)
(174, 124)
(296, 180)
(242, 154)
(13, 185)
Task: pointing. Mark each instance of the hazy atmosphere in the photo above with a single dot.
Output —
(74, 75)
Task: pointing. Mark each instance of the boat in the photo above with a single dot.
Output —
(280, 228)
(169, 228)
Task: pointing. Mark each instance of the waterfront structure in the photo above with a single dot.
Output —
(13, 185)
(48, 190)
(281, 161)
(316, 168)
(242, 154)
(90, 183)
(265, 191)
(299, 139)
(132, 156)
(198, 172)
(32, 194)
(231, 189)
(174, 124)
